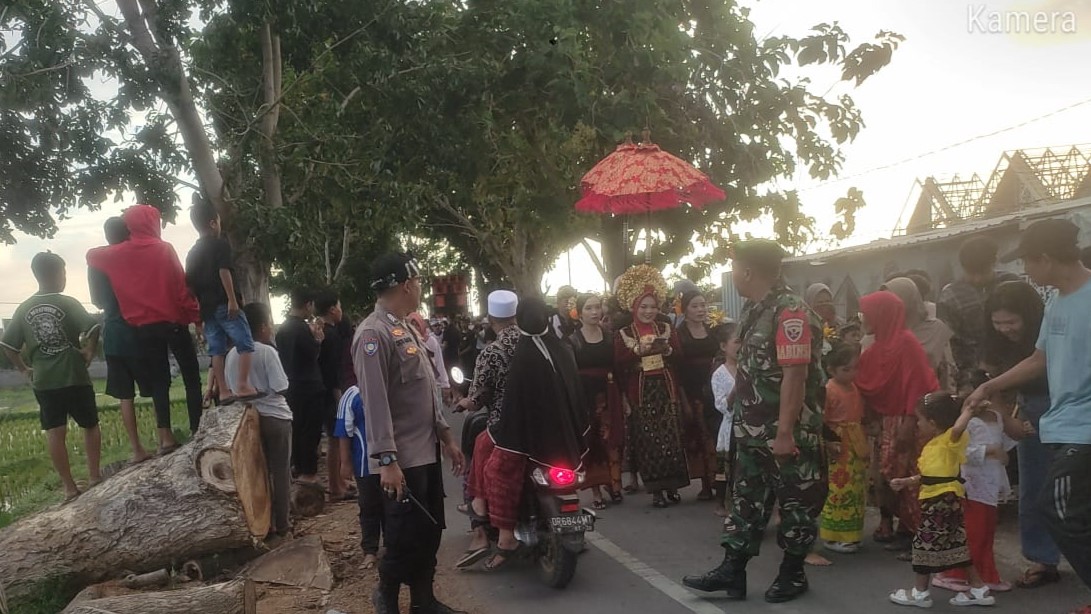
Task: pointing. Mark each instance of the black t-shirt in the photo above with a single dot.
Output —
(203, 265)
(330, 355)
(298, 351)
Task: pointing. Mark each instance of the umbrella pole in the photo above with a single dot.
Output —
(648, 238)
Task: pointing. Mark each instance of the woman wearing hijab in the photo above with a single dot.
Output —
(594, 350)
(700, 420)
(645, 353)
(934, 335)
(820, 298)
(543, 420)
(894, 375)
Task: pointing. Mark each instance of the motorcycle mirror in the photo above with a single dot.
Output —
(457, 376)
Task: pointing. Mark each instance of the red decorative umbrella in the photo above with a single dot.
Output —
(642, 178)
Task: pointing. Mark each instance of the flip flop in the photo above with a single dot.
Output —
(224, 402)
(168, 450)
(251, 397)
(1037, 578)
(509, 556)
(472, 557)
(72, 497)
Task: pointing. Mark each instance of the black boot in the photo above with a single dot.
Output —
(791, 582)
(730, 576)
(385, 597)
(424, 600)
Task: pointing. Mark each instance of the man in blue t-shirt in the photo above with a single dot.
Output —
(1051, 256)
(350, 430)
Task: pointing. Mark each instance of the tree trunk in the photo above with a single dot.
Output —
(251, 273)
(615, 248)
(235, 597)
(210, 496)
(271, 93)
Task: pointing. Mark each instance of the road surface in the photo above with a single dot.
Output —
(638, 555)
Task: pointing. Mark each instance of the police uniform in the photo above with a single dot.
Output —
(403, 420)
(776, 332)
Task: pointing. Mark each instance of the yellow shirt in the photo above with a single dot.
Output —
(941, 458)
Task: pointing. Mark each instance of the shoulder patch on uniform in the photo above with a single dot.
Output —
(793, 329)
(392, 318)
(371, 346)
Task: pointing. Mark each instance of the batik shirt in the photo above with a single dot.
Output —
(491, 371)
(777, 332)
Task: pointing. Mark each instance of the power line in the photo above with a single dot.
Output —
(948, 147)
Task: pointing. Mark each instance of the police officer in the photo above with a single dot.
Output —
(405, 429)
(778, 428)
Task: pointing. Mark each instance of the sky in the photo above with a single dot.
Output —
(951, 82)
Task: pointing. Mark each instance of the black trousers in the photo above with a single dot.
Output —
(185, 354)
(411, 537)
(1066, 503)
(156, 341)
(370, 498)
(307, 402)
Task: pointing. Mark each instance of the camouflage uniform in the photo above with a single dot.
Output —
(778, 331)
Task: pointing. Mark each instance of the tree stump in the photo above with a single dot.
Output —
(210, 496)
(226, 598)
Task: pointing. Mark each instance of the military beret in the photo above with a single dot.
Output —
(761, 253)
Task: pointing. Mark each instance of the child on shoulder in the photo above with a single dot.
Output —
(210, 276)
(842, 523)
(275, 416)
(940, 543)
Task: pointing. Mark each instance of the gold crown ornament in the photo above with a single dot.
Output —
(638, 281)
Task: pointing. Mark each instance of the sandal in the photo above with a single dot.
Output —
(631, 488)
(616, 498)
(598, 505)
(508, 555)
(705, 495)
(471, 557)
(658, 501)
(674, 497)
(1037, 578)
(883, 536)
(911, 597)
(225, 401)
(974, 597)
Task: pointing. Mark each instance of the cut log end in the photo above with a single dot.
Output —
(251, 474)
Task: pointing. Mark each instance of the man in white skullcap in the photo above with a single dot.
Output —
(485, 398)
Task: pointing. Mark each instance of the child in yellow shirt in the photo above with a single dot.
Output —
(940, 543)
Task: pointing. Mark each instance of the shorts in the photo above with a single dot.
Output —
(55, 406)
(329, 414)
(219, 328)
(124, 374)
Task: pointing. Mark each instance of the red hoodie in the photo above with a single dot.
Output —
(145, 272)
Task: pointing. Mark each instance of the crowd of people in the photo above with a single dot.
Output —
(789, 410)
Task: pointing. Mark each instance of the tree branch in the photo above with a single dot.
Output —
(345, 242)
(594, 258)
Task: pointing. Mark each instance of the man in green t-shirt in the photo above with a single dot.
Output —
(46, 329)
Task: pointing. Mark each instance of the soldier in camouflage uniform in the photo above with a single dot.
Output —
(778, 428)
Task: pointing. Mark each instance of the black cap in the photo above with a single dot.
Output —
(393, 269)
(1053, 238)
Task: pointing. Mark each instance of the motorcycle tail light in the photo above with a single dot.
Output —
(562, 477)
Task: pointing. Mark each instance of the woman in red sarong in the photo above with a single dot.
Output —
(894, 375)
(645, 354)
(594, 351)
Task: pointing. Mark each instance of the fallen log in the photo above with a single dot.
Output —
(210, 496)
(236, 597)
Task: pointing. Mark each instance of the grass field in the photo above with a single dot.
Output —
(27, 480)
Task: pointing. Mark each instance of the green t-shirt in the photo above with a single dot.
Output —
(47, 329)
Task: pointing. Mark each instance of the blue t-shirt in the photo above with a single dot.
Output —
(350, 425)
(1065, 339)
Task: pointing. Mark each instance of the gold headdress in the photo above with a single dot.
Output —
(638, 281)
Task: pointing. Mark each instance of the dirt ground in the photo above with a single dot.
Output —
(339, 529)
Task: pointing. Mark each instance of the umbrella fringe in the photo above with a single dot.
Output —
(697, 195)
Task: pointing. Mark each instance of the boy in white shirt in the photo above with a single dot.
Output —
(268, 377)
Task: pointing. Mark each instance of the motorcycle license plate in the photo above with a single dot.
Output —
(573, 524)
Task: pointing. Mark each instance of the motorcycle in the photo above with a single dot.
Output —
(551, 522)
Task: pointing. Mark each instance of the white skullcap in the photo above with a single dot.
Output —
(503, 304)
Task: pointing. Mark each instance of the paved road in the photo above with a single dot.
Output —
(639, 554)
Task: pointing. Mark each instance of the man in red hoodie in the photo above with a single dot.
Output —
(151, 290)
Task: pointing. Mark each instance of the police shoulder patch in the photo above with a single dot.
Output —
(371, 346)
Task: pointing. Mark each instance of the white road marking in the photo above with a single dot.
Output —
(658, 581)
